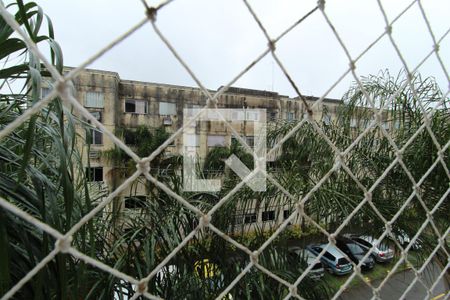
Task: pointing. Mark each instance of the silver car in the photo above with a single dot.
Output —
(381, 253)
(307, 256)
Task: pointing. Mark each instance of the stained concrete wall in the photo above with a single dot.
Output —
(117, 91)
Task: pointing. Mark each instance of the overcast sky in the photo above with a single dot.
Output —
(218, 38)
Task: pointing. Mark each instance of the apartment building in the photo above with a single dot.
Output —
(119, 103)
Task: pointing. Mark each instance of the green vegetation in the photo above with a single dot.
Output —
(40, 172)
(45, 177)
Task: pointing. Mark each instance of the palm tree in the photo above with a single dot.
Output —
(43, 176)
(307, 157)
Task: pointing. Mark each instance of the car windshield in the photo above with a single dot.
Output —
(343, 261)
(364, 242)
(355, 249)
(383, 247)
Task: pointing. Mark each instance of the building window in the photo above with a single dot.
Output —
(134, 202)
(94, 137)
(268, 215)
(167, 121)
(191, 140)
(94, 99)
(238, 219)
(290, 116)
(272, 115)
(250, 218)
(326, 119)
(97, 115)
(167, 108)
(252, 116)
(136, 106)
(216, 140)
(44, 92)
(250, 140)
(368, 122)
(94, 174)
(192, 110)
(237, 115)
(286, 213)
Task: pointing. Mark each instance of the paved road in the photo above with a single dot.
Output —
(398, 283)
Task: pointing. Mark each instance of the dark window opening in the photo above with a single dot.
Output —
(250, 141)
(94, 137)
(130, 106)
(250, 218)
(136, 106)
(268, 215)
(94, 174)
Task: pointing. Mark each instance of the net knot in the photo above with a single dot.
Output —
(63, 88)
(254, 257)
(205, 220)
(293, 290)
(143, 166)
(352, 65)
(141, 287)
(271, 45)
(64, 244)
(389, 29)
(332, 238)
(321, 4)
(150, 12)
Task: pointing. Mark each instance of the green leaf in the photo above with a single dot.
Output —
(4, 256)
(10, 46)
(14, 71)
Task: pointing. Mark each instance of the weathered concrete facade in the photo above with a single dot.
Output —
(128, 104)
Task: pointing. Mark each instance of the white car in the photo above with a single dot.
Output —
(381, 253)
(404, 240)
(317, 270)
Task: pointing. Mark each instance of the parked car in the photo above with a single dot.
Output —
(404, 240)
(354, 252)
(307, 258)
(381, 253)
(333, 259)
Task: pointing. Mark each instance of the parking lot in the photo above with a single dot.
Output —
(395, 287)
(397, 284)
